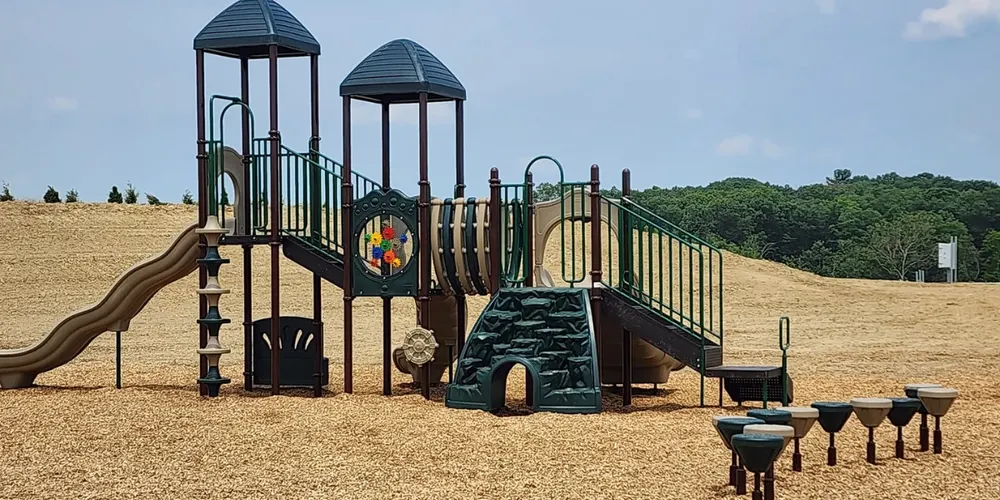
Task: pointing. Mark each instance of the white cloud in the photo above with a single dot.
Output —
(60, 103)
(735, 146)
(827, 7)
(770, 149)
(743, 145)
(693, 114)
(952, 19)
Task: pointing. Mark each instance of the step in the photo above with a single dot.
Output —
(520, 351)
(530, 324)
(496, 314)
(536, 303)
(554, 379)
(544, 332)
(470, 362)
(487, 337)
(500, 349)
(525, 343)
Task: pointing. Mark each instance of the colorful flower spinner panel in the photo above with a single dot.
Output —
(384, 250)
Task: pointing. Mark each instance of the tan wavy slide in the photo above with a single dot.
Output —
(125, 299)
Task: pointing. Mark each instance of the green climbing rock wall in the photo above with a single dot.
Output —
(550, 332)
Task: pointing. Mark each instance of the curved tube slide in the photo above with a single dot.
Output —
(125, 299)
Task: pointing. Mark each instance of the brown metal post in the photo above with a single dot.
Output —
(275, 243)
(625, 232)
(425, 238)
(496, 253)
(529, 246)
(315, 206)
(347, 200)
(202, 157)
(245, 218)
(461, 302)
(529, 266)
(386, 301)
(595, 256)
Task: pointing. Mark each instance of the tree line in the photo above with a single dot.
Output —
(130, 196)
(882, 227)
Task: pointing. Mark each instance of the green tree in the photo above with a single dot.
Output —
(991, 256)
(5, 193)
(904, 244)
(152, 200)
(72, 196)
(187, 199)
(115, 196)
(51, 196)
(131, 195)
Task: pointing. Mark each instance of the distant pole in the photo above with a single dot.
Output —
(118, 360)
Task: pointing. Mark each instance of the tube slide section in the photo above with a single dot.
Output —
(126, 298)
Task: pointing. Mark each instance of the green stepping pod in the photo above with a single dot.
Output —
(758, 451)
(772, 417)
(549, 331)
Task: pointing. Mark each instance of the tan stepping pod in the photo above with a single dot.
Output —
(787, 432)
(803, 418)
(871, 411)
(937, 400)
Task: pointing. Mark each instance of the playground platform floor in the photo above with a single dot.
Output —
(78, 437)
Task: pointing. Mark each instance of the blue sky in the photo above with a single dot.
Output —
(681, 92)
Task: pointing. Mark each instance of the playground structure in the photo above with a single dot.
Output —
(642, 297)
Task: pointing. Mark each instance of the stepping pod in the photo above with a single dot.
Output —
(871, 412)
(803, 418)
(785, 432)
(832, 417)
(729, 427)
(733, 467)
(911, 392)
(903, 410)
(757, 453)
(938, 401)
(776, 421)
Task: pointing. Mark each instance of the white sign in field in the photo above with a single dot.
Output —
(946, 256)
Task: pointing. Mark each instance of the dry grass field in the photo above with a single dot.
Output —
(76, 436)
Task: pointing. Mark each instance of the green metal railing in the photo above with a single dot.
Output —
(574, 203)
(514, 236)
(670, 271)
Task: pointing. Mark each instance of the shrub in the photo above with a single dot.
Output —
(51, 195)
(5, 193)
(115, 196)
(131, 195)
(152, 200)
(187, 199)
(72, 196)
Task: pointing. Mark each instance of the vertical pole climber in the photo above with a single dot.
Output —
(202, 209)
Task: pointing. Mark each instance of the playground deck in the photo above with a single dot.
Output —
(78, 436)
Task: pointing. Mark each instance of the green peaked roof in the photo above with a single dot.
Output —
(248, 28)
(398, 72)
